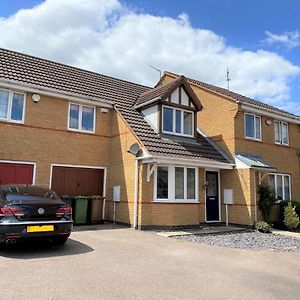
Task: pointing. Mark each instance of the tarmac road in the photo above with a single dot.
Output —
(120, 263)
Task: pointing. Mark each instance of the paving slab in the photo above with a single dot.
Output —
(205, 230)
(287, 233)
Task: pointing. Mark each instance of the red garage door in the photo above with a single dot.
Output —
(77, 181)
(11, 173)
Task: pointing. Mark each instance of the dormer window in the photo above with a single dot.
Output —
(177, 121)
(170, 108)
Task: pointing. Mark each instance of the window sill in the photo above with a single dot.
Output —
(176, 202)
(177, 134)
(253, 139)
(81, 131)
(11, 121)
(283, 145)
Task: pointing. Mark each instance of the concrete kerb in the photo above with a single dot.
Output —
(204, 231)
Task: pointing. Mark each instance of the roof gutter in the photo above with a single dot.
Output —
(187, 162)
(269, 113)
(25, 87)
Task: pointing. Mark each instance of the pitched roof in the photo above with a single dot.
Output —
(238, 97)
(165, 90)
(26, 69)
(23, 68)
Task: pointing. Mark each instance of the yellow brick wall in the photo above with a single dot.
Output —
(45, 139)
(242, 183)
(283, 158)
(121, 171)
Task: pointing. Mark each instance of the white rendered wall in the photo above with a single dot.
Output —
(151, 116)
(184, 98)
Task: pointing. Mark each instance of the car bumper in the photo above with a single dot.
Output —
(19, 230)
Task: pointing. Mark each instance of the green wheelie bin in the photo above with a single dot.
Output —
(81, 207)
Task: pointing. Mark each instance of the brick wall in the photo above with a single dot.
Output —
(45, 139)
(121, 171)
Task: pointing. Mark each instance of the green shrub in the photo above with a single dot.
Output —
(291, 219)
(279, 224)
(263, 227)
(267, 199)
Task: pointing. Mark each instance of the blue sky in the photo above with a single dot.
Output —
(244, 27)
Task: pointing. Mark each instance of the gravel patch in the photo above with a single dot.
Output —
(248, 240)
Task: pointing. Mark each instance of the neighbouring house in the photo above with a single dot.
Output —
(171, 155)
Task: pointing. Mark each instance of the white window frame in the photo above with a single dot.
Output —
(282, 182)
(9, 109)
(80, 118)
(171, 185)
(173, 132)
(245, 127)
(280, 123)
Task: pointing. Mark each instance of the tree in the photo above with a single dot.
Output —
(267, 199)
(291, 219)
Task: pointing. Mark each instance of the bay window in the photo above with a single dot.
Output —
(177, 121)
(252, 126)
(176, 183)
(162, 182)
(81, 118)
(281, 185)
(281, 133)
(12, 105)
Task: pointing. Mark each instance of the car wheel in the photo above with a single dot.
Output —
(60, 240)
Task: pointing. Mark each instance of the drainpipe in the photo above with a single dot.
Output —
(136, 194)
(255, 200)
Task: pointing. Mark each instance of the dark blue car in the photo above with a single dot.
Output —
(31, 212)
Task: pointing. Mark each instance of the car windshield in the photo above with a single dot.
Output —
(23, 193)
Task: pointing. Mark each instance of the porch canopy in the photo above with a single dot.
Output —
(253, 161)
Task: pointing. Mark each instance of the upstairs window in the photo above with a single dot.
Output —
(81, 118)
(12, 105)
(178, 121)
(252, 127)
(281, 133)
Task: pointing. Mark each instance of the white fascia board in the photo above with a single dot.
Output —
(53, 93)
(264, 111)
(187, 162)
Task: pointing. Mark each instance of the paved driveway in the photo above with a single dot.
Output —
(127, 264)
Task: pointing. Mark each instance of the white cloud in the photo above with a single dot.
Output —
(290, 39)
(106, 37)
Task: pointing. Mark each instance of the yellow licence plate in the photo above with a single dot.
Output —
(42, 228)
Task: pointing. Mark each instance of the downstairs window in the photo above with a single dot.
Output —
(281, 185)
(176, 183)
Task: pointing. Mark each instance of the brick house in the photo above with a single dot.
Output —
(162, 156)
